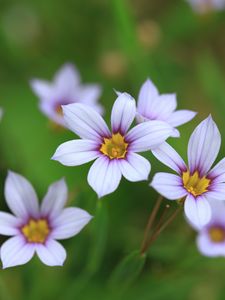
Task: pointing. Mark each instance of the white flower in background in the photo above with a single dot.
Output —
(153, 106)
(211, 237)
(204, 6)
(115, 151)
(34, 229)
(66, 88)
(196, 182)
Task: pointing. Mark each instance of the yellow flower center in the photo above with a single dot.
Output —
(194, 184)
(114, 147)
(217, 234)
(36, 231)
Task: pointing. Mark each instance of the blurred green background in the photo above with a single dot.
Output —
(118, 44)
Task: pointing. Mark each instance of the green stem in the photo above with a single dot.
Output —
(151, 220)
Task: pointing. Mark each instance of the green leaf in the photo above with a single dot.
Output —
(128, 270)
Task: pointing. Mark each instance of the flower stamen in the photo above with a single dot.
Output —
(217, 234)
(114, 147)
(36, 231)
(195, 184)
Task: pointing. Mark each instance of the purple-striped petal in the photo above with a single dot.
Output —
(76, 152)
(148, 135)
(203, 146)
(146, 97)
(85, 121)
(207, 247)
(41, 88)
(55, 199)
(15, 251)
(197, 210)
(181, 117)
(104, 176)
(216, 192)
(52, 253)
(123, 113)
(218, 172)
(168, 185)
(20, 196)
(9, 224)
(69, 223)
(135, 167)
(169, 157)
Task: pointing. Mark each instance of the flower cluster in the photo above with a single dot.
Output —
(115, 152)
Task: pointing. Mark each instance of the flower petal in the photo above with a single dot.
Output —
(168, 185)
(41, 88)
(55, 199)
(69, 223)
(197, 210)
(216, 192)
(207, 247)
(135, 167)
(48, 109)
(104, 176)
(146, 97)
(76, 152)
(217, 174)
(15, 251)
(9, 224)
(123, 113)
(67, 77)
(162, 107)
(90, 93)
(218, 211)
(85, 121)
(203, 146)
(169, 157)
(181, 117)
(148, 135)
(20, 196)
(52, 253)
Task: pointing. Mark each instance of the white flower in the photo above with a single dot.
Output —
(153, 106)
(66, 88)
(34, 229)
(115, 151)
(196, 182)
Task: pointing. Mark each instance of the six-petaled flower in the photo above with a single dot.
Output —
(66, 88)
(195, 182)
(115, 150)
(34, 229)
(153, 106)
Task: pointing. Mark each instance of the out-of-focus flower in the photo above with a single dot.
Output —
(113, 64)
(66, 88)
(205, 6)
(115, 151)
(153, 106)
(195, 182)
(149, 34)
(34, 229)
(211, 237)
